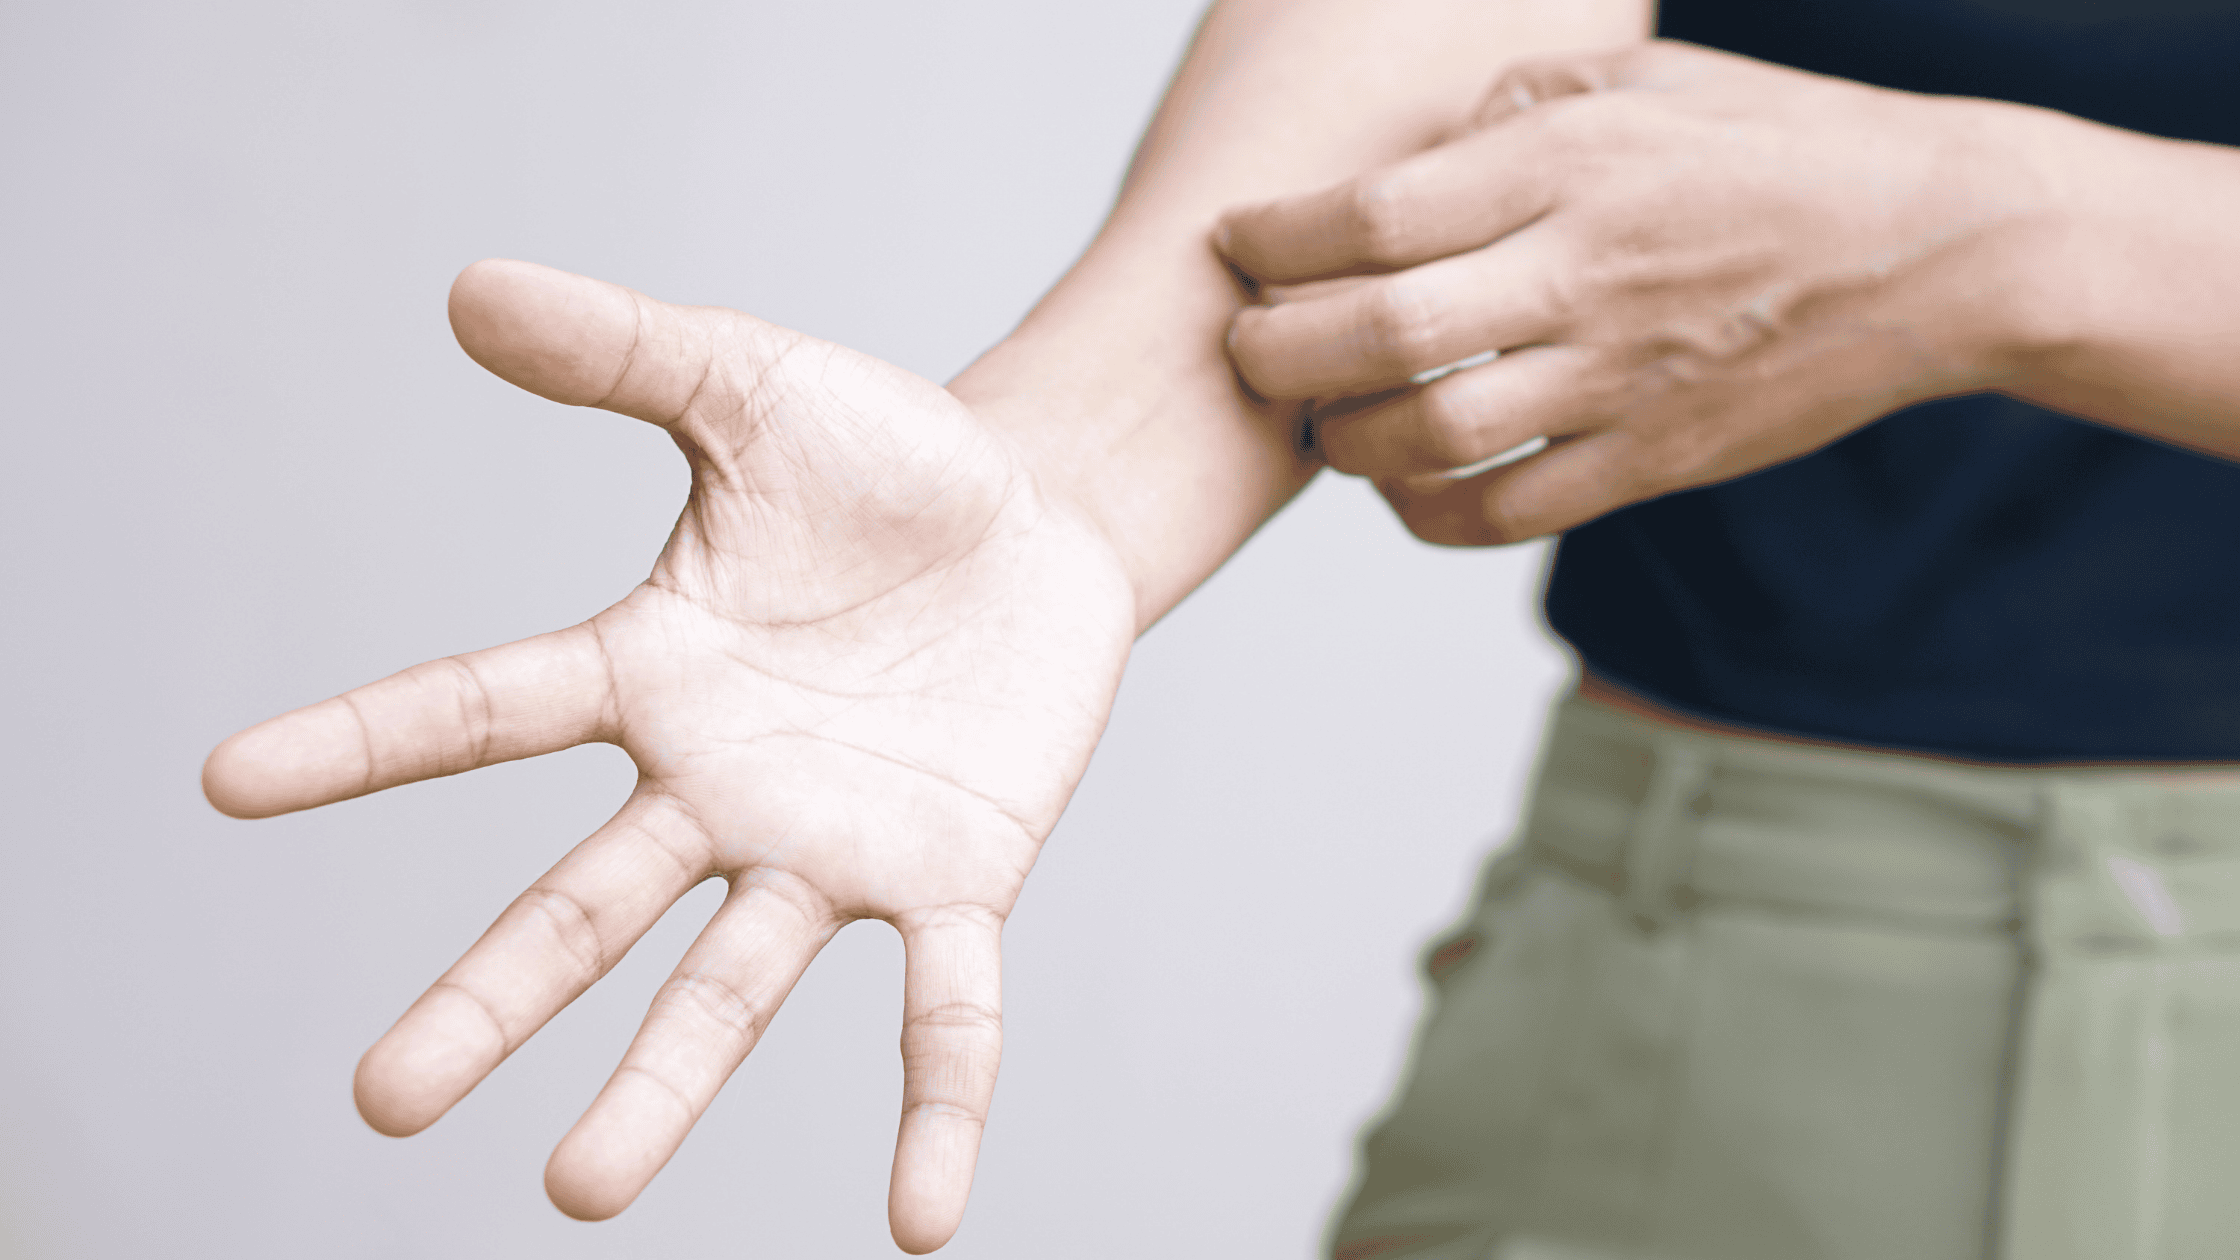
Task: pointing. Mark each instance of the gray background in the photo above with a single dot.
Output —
(248, 468)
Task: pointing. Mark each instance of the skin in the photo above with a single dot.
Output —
(841, 603)
(1697, 265)
(872, 660)
(868, 668)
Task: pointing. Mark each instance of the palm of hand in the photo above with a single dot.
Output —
(897, 613)
(861, 682)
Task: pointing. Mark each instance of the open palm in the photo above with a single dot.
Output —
(861, 682)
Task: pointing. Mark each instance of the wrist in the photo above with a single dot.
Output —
(2113, 239)
(1118, 395)
(1995, 300)
(2043, 242)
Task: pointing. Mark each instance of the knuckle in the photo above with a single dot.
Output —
(1588, 122)
(1383, 220)
(1500, 526)
(474, 998)
(572, 925)
(477, 712)
(1564, 297)
(1533, 71)
(662, 1081)
(1648, 463)
(1504, 523)
(947, 1110)
(1549, 79)
(1445, 435)
(1401, 327)
(958, 1043)
(718, 1002)
(1506, 533)
(975, 1020)
(977, 916)
(1250, 338)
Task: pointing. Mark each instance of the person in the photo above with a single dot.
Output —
(1754, 981)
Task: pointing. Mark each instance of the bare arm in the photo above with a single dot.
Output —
(870, 664)
(1118, 380)
(1693, 265)
(2136, 284)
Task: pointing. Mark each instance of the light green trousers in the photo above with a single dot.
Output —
(1732, 999)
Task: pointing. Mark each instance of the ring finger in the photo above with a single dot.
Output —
(1465, 418)
(705, 1019)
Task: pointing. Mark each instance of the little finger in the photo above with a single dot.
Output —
(952, 1040)
(1565, 486)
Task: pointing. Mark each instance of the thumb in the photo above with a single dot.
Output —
(588, 343)
(1542, 79)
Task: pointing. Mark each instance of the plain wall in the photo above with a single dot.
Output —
(248, 468)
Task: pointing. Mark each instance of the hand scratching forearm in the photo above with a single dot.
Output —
(1117, 382)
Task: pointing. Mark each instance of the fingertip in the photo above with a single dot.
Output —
(580, 1203)
(309, 757)
(382, 1117)
(586, 1185)
(255, 774)
(482, 294)
(917, 1236)
(1245, 344)
(1240, 238)
(387, 1106)
(227, 783)
(435, 1054)
(551, 332)
(932, 1181)
(918, 1245)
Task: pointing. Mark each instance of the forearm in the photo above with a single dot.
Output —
(2135, 285)
(1117, 382)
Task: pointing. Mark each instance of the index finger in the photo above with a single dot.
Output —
(521, 699)
(1442, 201)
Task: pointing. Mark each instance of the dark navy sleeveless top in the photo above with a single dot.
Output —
(1973, 576)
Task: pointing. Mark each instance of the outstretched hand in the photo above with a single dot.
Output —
(1691, 265)
(861, 682)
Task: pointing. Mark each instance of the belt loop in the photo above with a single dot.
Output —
(1660, 846)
